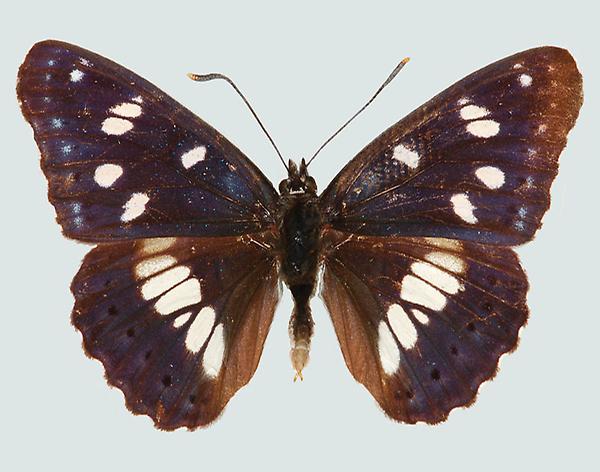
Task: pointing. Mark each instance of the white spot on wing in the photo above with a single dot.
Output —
(107, 174)
(525, 80)
(182, 319)
(134, 207)
(185, 294)
(389, 354)
(78, 219)
(85, 62)
(128, 110)
(415, 290)
(153, 265)
(463, 207)
(447, 261)
(445, 243)
(116, 126)
(193, 156)
(213, 355)
(483, 128)
(164, 281)
(529, 182)
(200, 329)
(406, 156)
(421, 317)
(463, 101)
(436, 277)
(76, 75)
(138, 99)
(517, 66)
(154, 245)
(56, 123)
(492, 177)
(402, 326)
(473, 112)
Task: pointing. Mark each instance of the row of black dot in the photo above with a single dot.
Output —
(167, 380)
(435, 373)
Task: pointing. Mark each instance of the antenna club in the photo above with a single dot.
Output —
(387, 81)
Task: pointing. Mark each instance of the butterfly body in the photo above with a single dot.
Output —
(300, 253)
(412, 241)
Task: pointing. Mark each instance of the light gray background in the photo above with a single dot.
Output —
(306, 68)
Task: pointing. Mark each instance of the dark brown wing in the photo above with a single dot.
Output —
(475, 162)
(124, 160)
(178, 323)
(422, 322)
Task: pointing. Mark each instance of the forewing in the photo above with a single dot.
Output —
(178, 323)
(423, 322)
(124, 160)
(474, 163)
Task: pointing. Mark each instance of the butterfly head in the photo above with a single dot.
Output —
(298, 180)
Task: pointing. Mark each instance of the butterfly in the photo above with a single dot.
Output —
(412, 240)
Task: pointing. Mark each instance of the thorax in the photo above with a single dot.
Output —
(299, 228)
(299, 224)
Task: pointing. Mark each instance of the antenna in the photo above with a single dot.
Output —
(391, 77)
(213, 76)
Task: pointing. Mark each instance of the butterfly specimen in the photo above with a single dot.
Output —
(413, 238)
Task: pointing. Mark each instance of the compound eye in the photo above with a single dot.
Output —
(284, 187)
